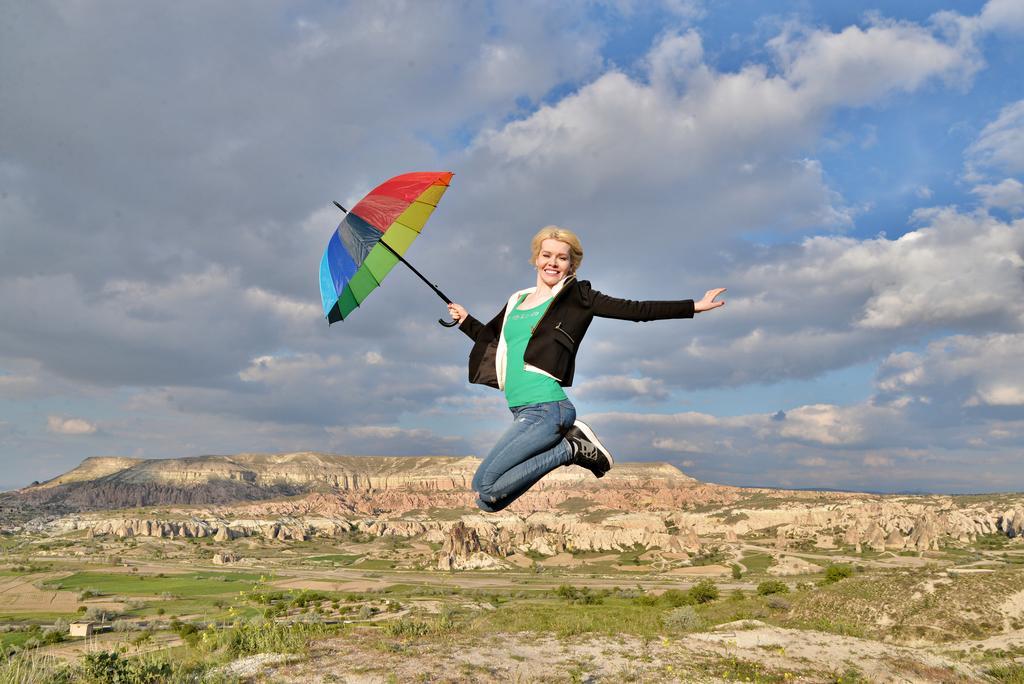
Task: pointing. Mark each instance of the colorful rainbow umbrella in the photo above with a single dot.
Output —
(374, 236)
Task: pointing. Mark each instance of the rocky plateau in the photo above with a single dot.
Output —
(285, 497)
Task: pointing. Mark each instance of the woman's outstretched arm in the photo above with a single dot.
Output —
(651, 310)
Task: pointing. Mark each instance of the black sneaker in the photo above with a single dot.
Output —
(587, 450)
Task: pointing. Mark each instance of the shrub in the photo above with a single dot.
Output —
(1011, 673)
(98, 614)
(645, 600)
(683, 619)
(142, 637)
(253, 637)
(676, 598)
(55, 634)
(776, 602)
(405, 627)
(737, 571)
(105, 666)
(704, 591)
(835, 573)
(583, 595)
(188, 632)
(772, 587)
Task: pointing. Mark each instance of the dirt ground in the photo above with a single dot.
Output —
(748, 652)
(701, 571)
(20, 595)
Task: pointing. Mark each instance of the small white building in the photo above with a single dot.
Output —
(82, 629)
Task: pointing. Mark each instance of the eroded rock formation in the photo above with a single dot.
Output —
(651, 505)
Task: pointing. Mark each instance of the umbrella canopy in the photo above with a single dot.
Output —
(355, 261)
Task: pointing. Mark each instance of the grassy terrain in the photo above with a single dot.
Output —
(757, 562)
(177, 585)
(340, 558)
(364, 593)
(405, 620)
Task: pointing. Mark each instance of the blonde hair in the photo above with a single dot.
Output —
(562, 235)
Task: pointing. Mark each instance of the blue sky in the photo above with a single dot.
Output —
(852, 172)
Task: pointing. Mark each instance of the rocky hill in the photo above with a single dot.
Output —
(106, 483)
(282, 497)
(364, 483)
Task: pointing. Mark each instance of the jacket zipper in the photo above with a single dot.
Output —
(559, 328)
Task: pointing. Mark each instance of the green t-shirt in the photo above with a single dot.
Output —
(522, 386)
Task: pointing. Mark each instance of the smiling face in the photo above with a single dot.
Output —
(554, 262)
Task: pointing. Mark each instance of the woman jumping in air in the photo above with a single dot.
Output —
(529, 351)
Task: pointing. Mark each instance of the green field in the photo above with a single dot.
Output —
(340, 558)
(757, 562)
(177, 585)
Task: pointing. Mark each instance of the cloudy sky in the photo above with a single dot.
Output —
(852, 172)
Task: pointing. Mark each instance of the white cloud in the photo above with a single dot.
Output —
(877, 461)
(1000, 146)
(680, 445)
(704, 154)
(830, 446)
(958, 268)
(296, 311)
(622, 387)
(859, 65)
(1007, 194)
(18, 386)
(1002, 15)
(821, 424)
(797, 311)
(70, 426)
(721, 149)
(387, 439)
(674, 59)
(961, 370)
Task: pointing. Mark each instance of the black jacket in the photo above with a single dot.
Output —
(558, 334)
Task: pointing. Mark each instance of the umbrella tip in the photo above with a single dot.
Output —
(340, 207)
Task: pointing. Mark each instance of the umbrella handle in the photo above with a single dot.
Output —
(447, 324)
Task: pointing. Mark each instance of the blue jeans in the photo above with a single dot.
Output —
(530, 449)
